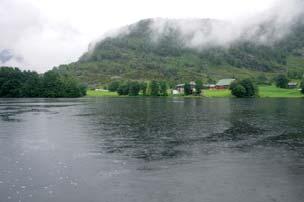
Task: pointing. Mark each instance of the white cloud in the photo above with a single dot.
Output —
(52, 32)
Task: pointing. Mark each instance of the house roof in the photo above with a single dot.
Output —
(180, 85)
(225, 82)
(192, 83)
(292, 83)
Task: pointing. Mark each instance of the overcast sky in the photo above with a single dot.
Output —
(46, 33)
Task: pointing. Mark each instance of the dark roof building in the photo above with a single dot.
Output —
(224, 83)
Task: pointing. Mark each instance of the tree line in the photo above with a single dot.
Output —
(15, 83)
(150, 88)
(133, 88)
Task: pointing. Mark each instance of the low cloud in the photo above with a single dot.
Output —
(33, 41)
(264, 28)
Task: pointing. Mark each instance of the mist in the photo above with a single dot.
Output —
(264, 28)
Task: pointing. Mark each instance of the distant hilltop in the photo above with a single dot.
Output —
(180, 50)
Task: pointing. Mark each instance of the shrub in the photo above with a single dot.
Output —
(243, 88)
(238, 91)
(250, 88)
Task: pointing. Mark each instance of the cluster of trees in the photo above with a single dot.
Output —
(281, 81)
(133, 88)
(17, 83)
(244, 88)
(151, 88)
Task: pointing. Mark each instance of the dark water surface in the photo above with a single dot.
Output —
(151, 149)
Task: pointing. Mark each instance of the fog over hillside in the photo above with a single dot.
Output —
(264, 28)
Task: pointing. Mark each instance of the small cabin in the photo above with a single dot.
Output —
(292, 85)
(224, 83)
(180, 88)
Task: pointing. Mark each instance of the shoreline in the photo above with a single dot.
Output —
(264, 92)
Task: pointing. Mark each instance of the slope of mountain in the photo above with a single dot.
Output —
(183, 50)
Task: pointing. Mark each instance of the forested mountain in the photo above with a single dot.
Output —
(184, 50)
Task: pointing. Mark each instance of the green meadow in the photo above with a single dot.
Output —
(273, 91)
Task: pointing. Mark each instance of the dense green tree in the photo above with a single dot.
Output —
(72, 88)
(163, 88)
(134, 88)
(17, 83)
(281, 81)
(32, 86)
(187, 89)
(143, 88)
(244, 88)
(154, 88)
(198, 87)
(11, 88)
(238, 91)
(250, 87)
(123, 89)
(52, 85)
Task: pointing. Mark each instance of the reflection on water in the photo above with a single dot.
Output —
(151, 149)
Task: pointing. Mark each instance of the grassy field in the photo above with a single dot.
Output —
(273, 91)
(93, 93)
(264, 92)
(217, 93)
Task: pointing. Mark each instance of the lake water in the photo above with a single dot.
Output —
(151, 149)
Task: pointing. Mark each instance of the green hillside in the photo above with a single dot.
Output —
(136, 56)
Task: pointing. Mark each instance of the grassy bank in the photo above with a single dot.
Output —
(264, 92)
